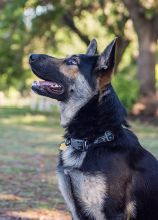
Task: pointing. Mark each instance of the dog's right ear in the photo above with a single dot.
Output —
(92, 48)
(106, 60)
(105, 64)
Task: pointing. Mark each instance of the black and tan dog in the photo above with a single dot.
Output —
(103, 171)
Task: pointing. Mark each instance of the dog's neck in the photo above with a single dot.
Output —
(103, 112)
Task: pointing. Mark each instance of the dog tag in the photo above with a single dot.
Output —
(63, 146)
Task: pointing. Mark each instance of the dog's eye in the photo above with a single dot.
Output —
(72, 61)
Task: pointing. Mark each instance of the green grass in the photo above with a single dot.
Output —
(148, 135)
(28, 156)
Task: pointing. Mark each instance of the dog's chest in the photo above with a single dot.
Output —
(88, 189)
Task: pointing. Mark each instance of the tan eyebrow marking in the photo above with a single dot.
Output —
(69, 70)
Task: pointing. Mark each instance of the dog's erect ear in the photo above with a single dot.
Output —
(105, 64)
(106, 60)
(92, 48)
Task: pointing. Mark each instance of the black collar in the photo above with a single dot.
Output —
(83, 145)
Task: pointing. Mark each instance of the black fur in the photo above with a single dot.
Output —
(131, 171)
(97, 116)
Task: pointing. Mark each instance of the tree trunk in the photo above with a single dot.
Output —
(147, 32)
(147, 105)
(146, 64)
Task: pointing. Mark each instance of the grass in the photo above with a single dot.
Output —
(28, 157)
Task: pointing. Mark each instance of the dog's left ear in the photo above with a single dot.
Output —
(105, 64)
(92, 48)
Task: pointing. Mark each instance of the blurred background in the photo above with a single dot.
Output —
(29, 124)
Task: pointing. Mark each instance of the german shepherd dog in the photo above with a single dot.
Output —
(103, 171)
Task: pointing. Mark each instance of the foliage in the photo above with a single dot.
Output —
(63, 27)
(125, 81)
(12, 41)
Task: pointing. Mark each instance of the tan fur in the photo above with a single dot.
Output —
(91, 190)
(71, 71)
(131, 210)
(104, 79)
(69, 160)
(65, 188)
(82, 94)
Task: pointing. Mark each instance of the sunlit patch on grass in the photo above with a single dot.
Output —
(35, 120)
(41, 214)
(10, 197)
(26, 120)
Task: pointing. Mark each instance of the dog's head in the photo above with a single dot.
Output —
(73, 80)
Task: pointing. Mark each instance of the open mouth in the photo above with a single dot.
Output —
(48, 87)
(53, 83)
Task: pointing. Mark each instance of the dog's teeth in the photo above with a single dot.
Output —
(54, 85)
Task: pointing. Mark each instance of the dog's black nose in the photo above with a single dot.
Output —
(34, 57)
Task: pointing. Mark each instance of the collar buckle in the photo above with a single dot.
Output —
(109, 136)
(78, 144)
(85, 145)
(68, 141)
